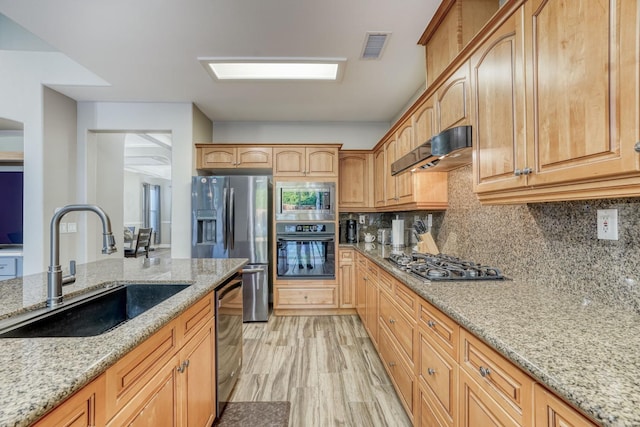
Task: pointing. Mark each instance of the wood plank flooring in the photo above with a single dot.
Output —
(326, 366)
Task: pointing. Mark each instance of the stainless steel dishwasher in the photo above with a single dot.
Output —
(228, 299)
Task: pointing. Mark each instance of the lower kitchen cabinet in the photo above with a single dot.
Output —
(85, 408)
(347, 273)
(305, 297)
(478, 409)
(552, 412)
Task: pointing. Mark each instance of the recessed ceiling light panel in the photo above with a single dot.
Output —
(275, 69)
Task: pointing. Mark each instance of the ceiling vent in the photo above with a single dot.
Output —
(374, 45)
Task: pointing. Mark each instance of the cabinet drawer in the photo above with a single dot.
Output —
(361, 260)
(426, 416)
(405, 299)
(438, 376)
(478, 409)
(8, 266)
(290, 297)
(443, 331)
(401, 328)
(503, 381)
(551, 411)
(401, 375)
(130, 374)
(386, 281)
(346, 256)
(372, 271)
(195, 317)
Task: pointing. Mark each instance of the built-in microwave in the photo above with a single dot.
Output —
(305, 201)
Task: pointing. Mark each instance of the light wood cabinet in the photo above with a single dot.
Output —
(390, 192)
(582, 104)
(227, 156)
(478, 409)
(355, 180)
(347, 278)
(380, 177)
(306, 161)
(424, 122)
(371, 307)
(552, 412)
(305, 297)
(452, 100)
(361, 287)
(400, 327)
(84, 409)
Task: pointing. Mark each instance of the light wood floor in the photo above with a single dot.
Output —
(326, 366)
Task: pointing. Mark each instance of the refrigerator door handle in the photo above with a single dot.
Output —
(252, 270)
(225, 236)
(232, 219)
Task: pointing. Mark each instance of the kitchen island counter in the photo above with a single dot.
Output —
(36, 374)
(585, 351)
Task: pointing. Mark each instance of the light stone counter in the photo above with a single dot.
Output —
(585, 351)
(36, 374)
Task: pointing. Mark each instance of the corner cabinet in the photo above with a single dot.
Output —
(306, 161)
(226, 156)
(356, 180)
(567, 102)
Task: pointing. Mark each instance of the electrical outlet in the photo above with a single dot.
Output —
(72, 227)
(608, 224)
(362, 219)
(63, 227)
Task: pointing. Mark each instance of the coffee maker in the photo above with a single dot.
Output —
(352, 231)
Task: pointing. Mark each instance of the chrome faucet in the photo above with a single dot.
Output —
(55, 280)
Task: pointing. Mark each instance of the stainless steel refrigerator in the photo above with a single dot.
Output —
(231, 218)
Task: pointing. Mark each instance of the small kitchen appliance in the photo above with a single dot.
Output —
(352, 231)
(384, 236)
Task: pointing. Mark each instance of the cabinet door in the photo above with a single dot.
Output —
(197, 379)
(390, 157)
(347, 279)
(217, 157)
(361, 294)
(438, 375)
(452, 100)
(372, 309)
(254, 157)
(404, 181)
(478, 409)
(576, 93)
(380, 177)
(289, 161)
(322, 161)
(497, 85)
(84, 409)
(424, 122)
(552, 412)
(356, 183)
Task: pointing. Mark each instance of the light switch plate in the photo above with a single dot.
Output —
(608, 224)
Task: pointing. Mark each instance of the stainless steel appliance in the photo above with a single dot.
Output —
(231, 218)
(305, 201)
(228, 310)
(306, 250)
(444, 267)
(384, 236)
(352, 231)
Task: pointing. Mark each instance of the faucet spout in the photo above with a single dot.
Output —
(55, 280)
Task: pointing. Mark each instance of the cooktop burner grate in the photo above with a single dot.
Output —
(444, 267)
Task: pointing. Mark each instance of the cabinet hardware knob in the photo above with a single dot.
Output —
(392, 321)
(431, 323)
(484, 371)
(186, 363)
(431, 371)
(305, 297)
(527, 171)
(392, 364)
(517, 172)
(637, 147)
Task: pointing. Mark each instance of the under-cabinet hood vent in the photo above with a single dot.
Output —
(450, 149)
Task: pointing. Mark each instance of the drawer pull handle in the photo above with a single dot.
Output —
(392, 321)
(392, 364)
(183, 366)
(637, 147)
(484, 371)
(431, 324)
(431, 371)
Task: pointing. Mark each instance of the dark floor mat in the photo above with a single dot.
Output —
(249, 414)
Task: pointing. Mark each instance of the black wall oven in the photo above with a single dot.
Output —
(306, 250)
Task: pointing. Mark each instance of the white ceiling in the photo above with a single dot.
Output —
(148, 50)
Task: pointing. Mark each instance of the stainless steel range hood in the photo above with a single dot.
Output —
(445, 151)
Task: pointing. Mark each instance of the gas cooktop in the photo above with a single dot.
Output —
(443, 267)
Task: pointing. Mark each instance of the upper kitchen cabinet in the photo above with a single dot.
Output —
(309, 161)
(227, 156)
(424, 122)
(454, 24)
(452, 100)
(379, 177)
(576, 138)
(356, 180)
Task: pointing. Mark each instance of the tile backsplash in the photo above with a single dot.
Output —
(554, 244)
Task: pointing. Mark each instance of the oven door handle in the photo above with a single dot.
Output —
(306, 239)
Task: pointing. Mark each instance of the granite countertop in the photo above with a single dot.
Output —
(586, 352)
(38, 373)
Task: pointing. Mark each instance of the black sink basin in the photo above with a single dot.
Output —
(93, 315)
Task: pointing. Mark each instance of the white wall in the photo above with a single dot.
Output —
(11, 140)
(175, 118)
(353, 136)
(22, 75)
